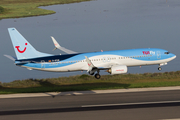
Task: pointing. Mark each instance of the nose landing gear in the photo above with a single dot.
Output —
(159, 68)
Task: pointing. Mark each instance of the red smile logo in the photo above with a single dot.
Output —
(89, 64)
(20, 50)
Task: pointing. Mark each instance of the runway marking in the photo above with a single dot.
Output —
(140, 103)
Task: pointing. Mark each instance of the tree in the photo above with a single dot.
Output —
(1, 9)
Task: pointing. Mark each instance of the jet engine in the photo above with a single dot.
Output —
(118, 69)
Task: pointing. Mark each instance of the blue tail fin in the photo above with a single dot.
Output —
(22, 48)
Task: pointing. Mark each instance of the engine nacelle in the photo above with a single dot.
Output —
(120, 69)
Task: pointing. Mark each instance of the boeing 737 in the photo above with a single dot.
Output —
(114, 62)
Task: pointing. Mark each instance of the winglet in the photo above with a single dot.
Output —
(56, 44)
(92, 68)
(90, 64)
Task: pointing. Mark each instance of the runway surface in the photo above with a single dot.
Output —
(155, 105)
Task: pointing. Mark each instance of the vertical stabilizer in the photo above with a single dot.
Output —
(22, 48)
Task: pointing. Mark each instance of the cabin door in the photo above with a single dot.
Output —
(42, 64)
(158, 55)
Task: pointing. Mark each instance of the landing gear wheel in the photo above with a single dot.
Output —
(97, 76)
(159, 68)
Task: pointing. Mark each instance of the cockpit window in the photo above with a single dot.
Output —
(167, 53)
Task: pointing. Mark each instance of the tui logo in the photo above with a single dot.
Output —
(148, 52)
(21, 51)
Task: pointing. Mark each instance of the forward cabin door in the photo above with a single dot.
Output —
(158, 55)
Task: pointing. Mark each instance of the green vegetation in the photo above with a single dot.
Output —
(1, 9)
(25, 8)
(86, 82)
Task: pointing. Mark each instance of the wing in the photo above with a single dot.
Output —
(57, 46)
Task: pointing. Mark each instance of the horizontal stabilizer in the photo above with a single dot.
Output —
(11, 57)
(21, 63)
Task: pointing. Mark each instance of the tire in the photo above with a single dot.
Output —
(97, 76)
(159, 68)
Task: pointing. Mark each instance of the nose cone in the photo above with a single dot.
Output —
(173, 56)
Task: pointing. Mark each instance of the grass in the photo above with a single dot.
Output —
(26, 8)
(86, 82)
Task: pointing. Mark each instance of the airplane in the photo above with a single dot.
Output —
(114, 62)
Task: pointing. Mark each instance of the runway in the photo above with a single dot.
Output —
(154, 105)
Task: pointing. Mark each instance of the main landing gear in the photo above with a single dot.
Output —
(97, 76)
